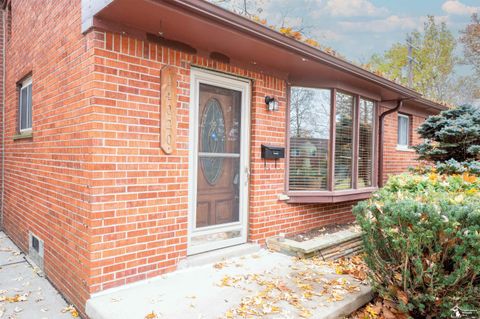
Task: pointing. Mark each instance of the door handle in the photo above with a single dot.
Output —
(247, 174)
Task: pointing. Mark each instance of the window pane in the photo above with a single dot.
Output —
(23, 108)
(365, 146)
(403, 129)
(343, 141)
(29, 106)
(309, 138)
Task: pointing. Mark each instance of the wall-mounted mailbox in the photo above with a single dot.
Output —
(272, 152)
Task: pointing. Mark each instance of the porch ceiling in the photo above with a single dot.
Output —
(208, 28)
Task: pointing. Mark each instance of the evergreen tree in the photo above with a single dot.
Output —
(454, 134)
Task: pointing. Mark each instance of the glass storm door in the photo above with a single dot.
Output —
(219, 162)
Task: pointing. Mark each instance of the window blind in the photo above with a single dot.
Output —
(403, 130)
(365, 144)
(309, 138)
(343, 140)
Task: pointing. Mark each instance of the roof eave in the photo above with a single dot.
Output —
(218, 16)
(264, 33)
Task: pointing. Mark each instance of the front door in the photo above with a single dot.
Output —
(219, 143)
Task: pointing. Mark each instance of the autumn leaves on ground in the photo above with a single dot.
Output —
(308, 280)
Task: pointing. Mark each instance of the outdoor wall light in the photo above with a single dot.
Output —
(272, 104)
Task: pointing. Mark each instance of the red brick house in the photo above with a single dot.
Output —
(132, 135)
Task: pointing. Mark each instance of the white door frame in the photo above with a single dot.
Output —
(198, 76)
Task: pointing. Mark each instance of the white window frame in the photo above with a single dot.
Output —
(403, 146)
(24, 85)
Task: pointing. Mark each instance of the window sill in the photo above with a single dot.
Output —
(402, 148)
(22, 136)
(310, 197)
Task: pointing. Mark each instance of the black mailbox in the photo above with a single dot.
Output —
(272, 152)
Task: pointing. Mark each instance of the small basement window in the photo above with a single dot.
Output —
(25, 106)
(332, 146)
(403, 138)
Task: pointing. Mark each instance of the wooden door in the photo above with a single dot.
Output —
(218, 167)
(219, 161)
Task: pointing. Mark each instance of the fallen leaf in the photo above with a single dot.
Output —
(72, 310)
(151, 315)
(219, 265)
(402, 296)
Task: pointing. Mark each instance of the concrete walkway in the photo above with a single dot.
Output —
(23, 293)
(260, 285)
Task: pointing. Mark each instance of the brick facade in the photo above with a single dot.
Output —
(47, 177)
(396, 161)
(140, 201)
(93, 182)
(2, 133)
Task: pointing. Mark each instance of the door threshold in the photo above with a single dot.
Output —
(218, 255)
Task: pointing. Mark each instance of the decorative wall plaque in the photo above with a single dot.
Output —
(168, 109)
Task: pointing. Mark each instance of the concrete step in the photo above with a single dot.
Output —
(218, 255)
(330, 246)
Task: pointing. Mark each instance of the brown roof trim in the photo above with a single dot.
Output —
(247, 26)
(431, 104)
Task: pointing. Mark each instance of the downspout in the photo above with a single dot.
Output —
(4, 16)
(381, 135)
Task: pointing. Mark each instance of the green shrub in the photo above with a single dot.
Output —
(422, 242)
(450, 167)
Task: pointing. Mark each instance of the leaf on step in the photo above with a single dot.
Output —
(151, 315)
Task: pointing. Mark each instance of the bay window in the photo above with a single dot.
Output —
(331, 144)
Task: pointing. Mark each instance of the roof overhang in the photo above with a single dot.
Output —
(205, 28)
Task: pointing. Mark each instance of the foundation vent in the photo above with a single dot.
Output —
(35, 250)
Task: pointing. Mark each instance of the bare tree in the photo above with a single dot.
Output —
(309, 113)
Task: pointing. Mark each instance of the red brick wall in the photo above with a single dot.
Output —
(47, 176)
(93, 182)
(397, 161)
(1, 108)
(140, 197)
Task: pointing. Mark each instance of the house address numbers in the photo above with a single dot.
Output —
(168, 109)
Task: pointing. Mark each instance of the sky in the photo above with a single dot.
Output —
(359, 28)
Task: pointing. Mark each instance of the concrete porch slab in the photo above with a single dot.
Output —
(271, 284)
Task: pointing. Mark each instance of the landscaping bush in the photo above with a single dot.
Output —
(422, 241)
(449, 167)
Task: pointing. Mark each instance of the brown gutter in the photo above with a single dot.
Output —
(431, 104)
(265, 34)
(381, 135)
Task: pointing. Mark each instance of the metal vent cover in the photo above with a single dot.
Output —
(35, 249)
